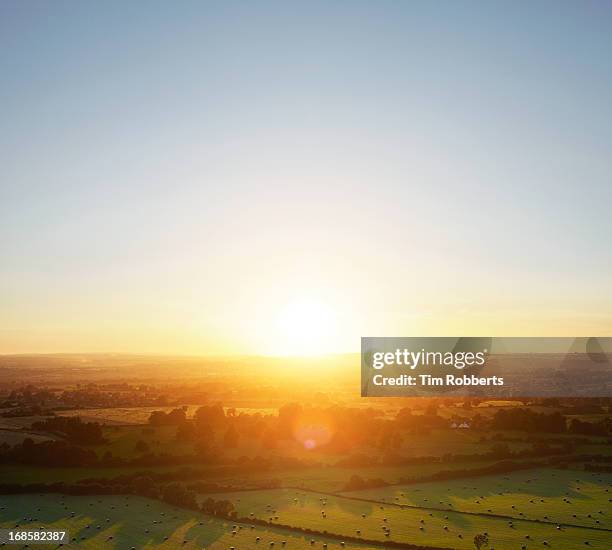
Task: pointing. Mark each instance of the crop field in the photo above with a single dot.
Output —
(119, 415)
(560, 496)
(108, 522)
(380, 521)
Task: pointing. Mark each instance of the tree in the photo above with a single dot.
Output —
(177, 416)
(177, 495)
(223, 508)
(157, 418)
(287, 416)
(480, 540)
(141, 446)
(145, 486)
(73, 428)
(230, 439)
(500, 450)
(209, 416)
(185, 431)
(174, 417)
(405, 418)
(269, 438)
(355, 483)
(529, 421)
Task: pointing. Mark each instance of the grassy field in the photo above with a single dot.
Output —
(457, 441)
(605, 450)
(330, 479)
(19, 422)
(333, 478)
(561, 496)
(109, 522)
(12, 437)
(346, 516)
(10, 473)
(121, 441)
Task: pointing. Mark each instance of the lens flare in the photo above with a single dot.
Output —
(313, 430)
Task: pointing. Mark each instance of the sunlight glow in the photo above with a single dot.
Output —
(305, 327)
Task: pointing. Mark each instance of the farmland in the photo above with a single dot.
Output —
(133, 522)
(328, 479)
(559, 496)
(121, 441)
(432, 472)
(12, 437)
(10, 473)
(122, 438)
(380, 521)
(334, 478)
(140, 415)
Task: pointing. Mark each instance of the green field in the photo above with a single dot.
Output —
(122, 440)
(561, 496)
(108, 522)
(16, 437)
(333, 478)
(345, 516)
(444, 441)
(10, 473)
(327, 478)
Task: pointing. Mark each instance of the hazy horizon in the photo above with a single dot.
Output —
(284, 178)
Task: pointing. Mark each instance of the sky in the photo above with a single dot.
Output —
(286, 177)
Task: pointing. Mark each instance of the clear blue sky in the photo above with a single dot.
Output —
(174, 173)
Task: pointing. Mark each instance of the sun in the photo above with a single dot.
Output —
(305, 326)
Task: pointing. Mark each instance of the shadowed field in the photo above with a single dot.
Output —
(561, 496)
(381, 521)
(109, 522)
